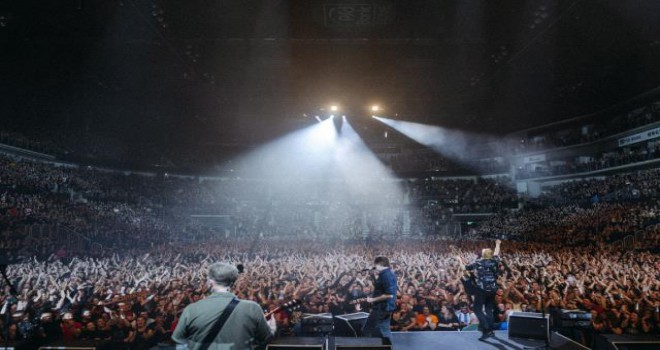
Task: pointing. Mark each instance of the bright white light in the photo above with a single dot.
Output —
(451, 143)
(375, 108)
(305, 153)
(320, 164)
(334, 108)
(364, 174)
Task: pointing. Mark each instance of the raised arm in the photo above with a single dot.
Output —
(496, 252)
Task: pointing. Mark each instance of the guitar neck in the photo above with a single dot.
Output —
(357, 301)
(291, 304)
(269, 313)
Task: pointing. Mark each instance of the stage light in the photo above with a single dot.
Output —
(334, 108)
(375, 108)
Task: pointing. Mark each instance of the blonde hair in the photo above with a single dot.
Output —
(486, 253)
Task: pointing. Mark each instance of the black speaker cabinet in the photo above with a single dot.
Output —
(67, 348)
(625, 342)
(297, 343)
(81, 345)
(293, 347)
(317, 325)
(345, 343)
(529, 325)
(16, 345)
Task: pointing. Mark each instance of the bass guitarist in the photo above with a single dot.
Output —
(222, 321)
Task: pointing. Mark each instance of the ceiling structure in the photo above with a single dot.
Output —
(217, 72)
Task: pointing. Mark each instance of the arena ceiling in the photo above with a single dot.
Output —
(238, 72)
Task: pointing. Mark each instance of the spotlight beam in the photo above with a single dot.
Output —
(454, 144)
(365, 175)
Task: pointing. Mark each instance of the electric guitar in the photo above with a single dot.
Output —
(289, 306)
(357, 301)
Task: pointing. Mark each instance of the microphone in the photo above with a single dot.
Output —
(369, 269)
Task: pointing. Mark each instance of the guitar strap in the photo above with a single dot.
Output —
(217, 326)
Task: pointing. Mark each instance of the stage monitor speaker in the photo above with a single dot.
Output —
(15, 345)
(626, 342)
(81, 345)
(529, 325)
(350, 325)
(293, 347)
(349, 343)
(297, 343)
(560, 342)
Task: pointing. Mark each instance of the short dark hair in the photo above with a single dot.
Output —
(223, 274)
(382, 261)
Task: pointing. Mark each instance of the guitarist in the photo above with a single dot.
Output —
(384, 302)
(201, 324)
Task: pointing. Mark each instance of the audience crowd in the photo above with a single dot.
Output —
(105, 255)
(134, 297)
(622, 156)
(583, 131)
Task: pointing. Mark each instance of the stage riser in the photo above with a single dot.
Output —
(414, 341)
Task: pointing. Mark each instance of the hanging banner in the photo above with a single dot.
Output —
(639, 137)
(534, 159)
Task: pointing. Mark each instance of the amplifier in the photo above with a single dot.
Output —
(320, 330)
(575, 324)
(575, 315)
(317, 325)
(317, 318)
(529, 325)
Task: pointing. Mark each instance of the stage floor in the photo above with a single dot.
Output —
(435, 340)
(469, 340)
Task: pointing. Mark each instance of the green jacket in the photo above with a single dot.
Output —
(244, 329)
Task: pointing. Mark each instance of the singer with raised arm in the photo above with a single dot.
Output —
(383, 302)
(486, 269)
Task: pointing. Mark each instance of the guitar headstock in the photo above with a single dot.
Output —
(291, 304)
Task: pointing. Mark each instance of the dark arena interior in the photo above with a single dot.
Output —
(359, 174)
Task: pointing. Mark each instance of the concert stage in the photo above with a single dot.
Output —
(425, 340)
(470, 340)
(401, 340)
